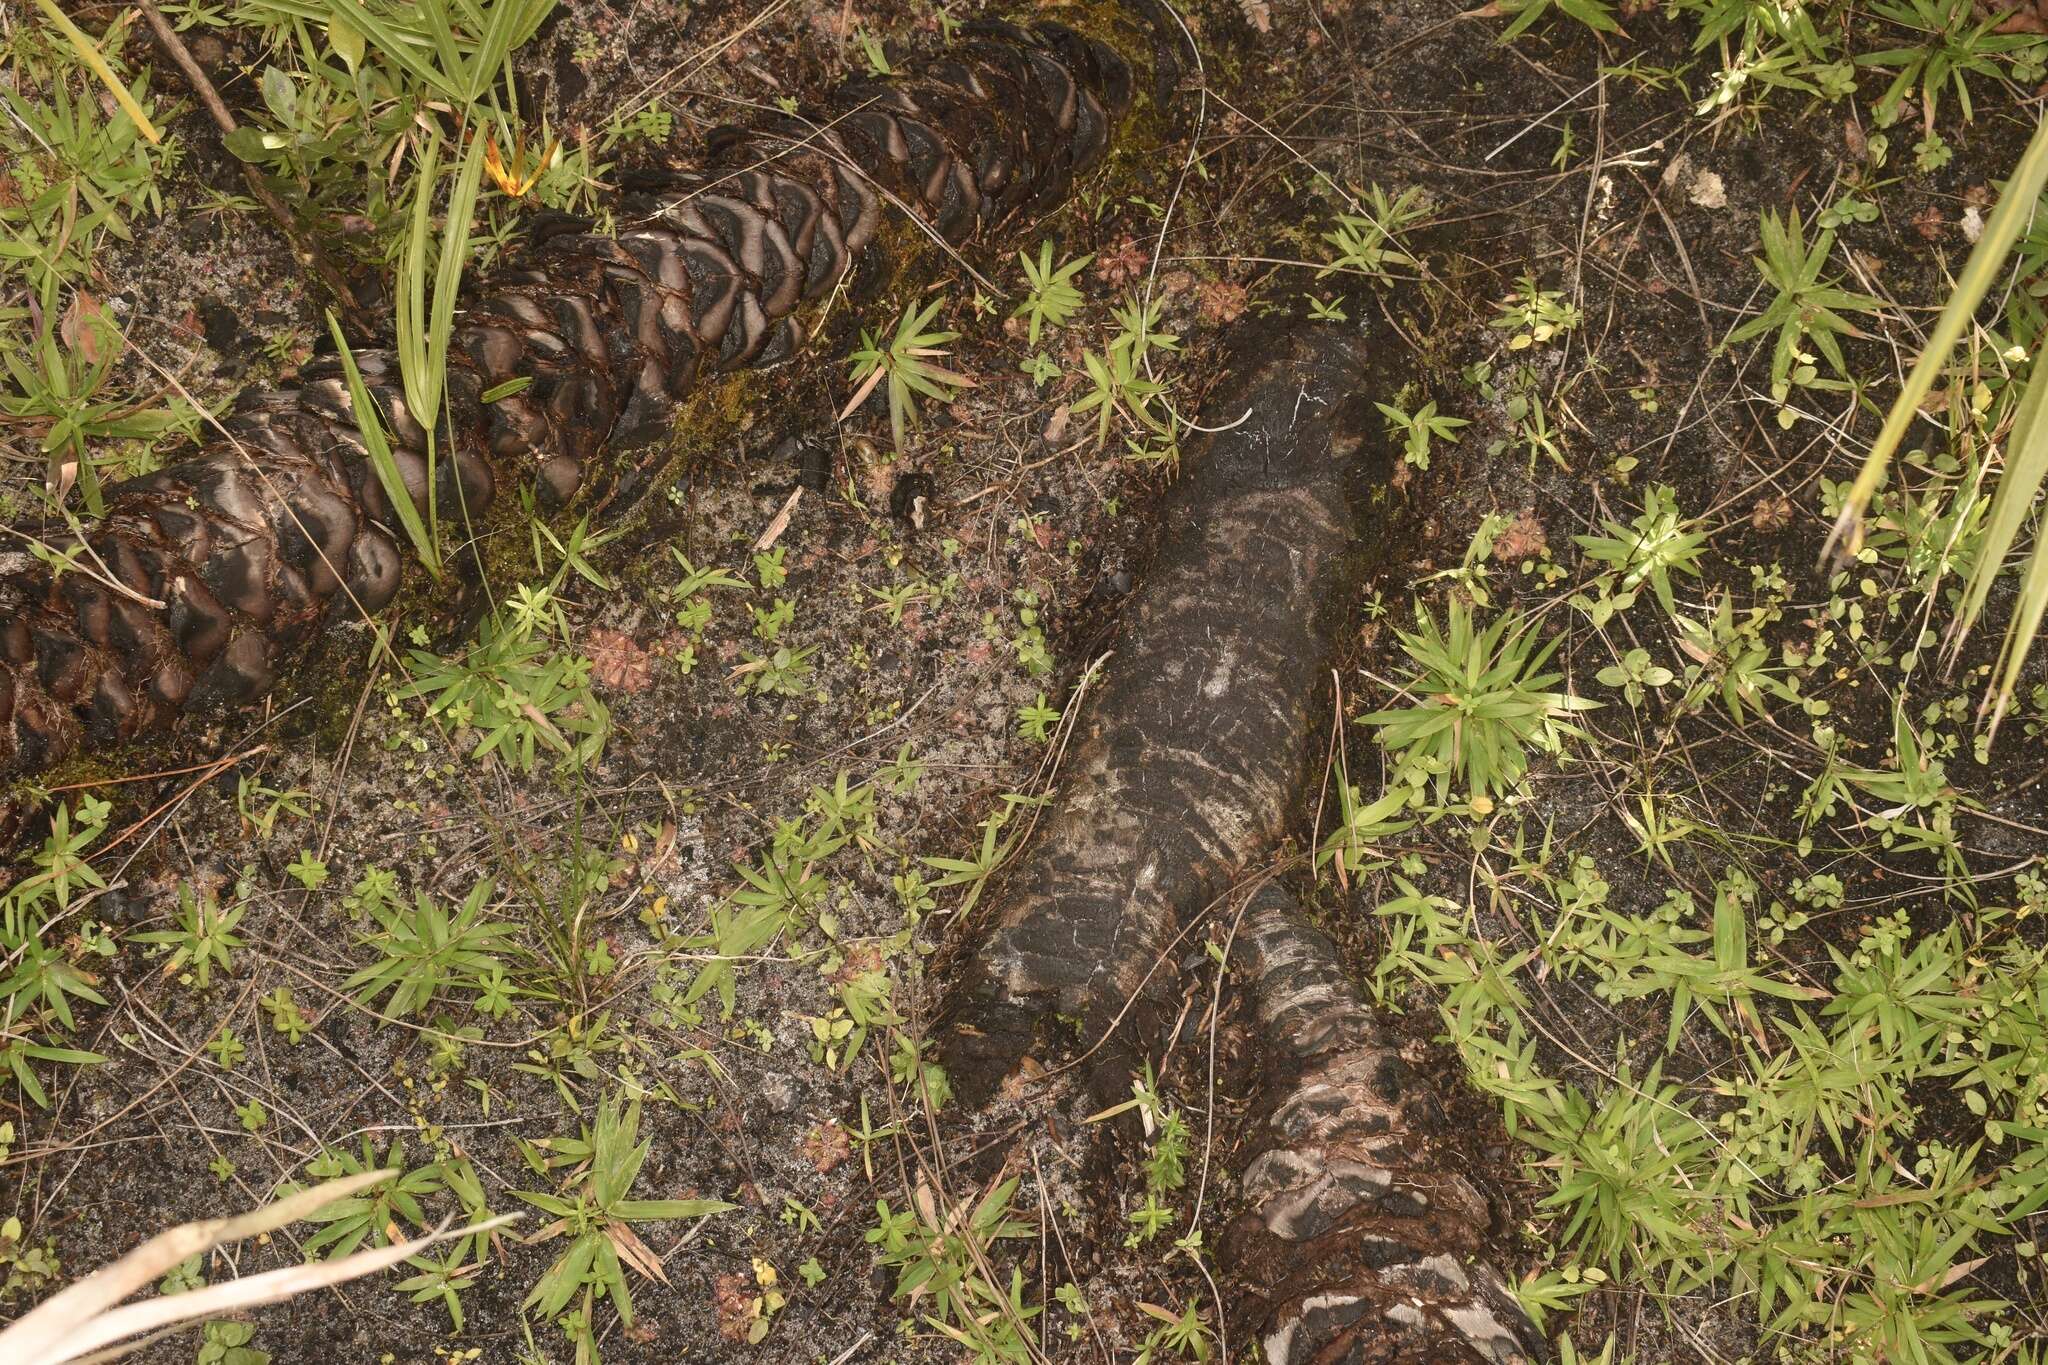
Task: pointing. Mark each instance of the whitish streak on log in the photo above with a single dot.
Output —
(1361, 1228)
(1190, 759)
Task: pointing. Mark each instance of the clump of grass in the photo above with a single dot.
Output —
(1481, 702)
(905, 362)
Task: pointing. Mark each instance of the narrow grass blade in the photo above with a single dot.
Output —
(2026, 466)
(511, 23)
(2025, 627)
(1980, 271)
(448, 275)
(398, 46)
(447, 51)
(409, 324)
(371, 428)
(90, 55)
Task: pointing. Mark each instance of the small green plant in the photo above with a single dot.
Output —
(905, 361)
(1035, 721)
(1804, 307)
(1040, 368)
(228, 1049)
(939, 1258)
(1419, 428)
(1186, 1334)
(2027, 452)
(1351, 847)
(1116, 389)
(1535, 316)
(227, 1343)
(205, 936)
(872, 52)
(1481, 702)
(61, 866)
(379, 1212)
(80, 172)
(285, 1016)
(1955, 43)
(1051, 296)
(596, 1212)
(307, 870)
(1368, 243)
(783, 672)
(973, 872)
(692, 607)
(515, 687)
(1120, 382)
(1634, 672)
(1649, 549)
(45, 980)
(426, 950)
(1594, 14)
(62, 391)
(261, 807)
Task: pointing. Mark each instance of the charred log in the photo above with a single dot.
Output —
(1189, 763)
(203, 577)
(1360, 1238)
(1361, 1228)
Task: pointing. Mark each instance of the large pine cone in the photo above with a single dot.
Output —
(205, 575)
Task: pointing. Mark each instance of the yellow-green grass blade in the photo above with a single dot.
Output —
(411, 312)
(371, 426)
(1980, 271)
(90, 55)
(2026, 466)
(448, 274)
(2025, 627)
(511, 23)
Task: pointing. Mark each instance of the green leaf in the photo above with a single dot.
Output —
(643, 1210)
(371, 427)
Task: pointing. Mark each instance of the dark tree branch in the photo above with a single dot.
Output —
(303, 243)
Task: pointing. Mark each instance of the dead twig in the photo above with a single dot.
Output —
(303, 244)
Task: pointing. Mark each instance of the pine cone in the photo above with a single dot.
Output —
(204, 576)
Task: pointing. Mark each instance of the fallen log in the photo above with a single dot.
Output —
(1360, 1233)
(204, 577)
(1361, 1229)
(1188, 765)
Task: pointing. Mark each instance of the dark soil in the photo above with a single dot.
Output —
(1022, 516)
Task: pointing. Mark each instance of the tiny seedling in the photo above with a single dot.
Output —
(905, 361)
(1051, 296)
(1419, 428)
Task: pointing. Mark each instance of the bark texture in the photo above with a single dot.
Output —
(1360, 1230)
(204, 576)
(1190, 760)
